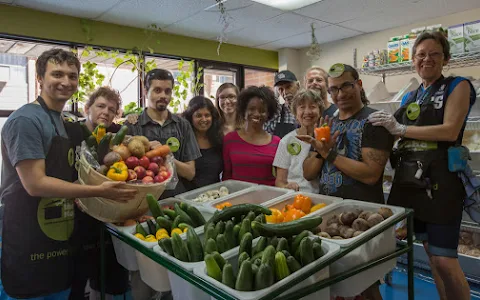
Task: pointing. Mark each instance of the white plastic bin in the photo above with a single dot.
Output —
(125, 253)
(280, 202)
(329, 250)
(379, 246)
(234, 187)
(259, 194)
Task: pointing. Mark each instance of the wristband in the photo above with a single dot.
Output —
(332, 155)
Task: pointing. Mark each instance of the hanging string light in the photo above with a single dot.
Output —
(314, 51)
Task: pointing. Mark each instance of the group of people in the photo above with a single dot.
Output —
(246, 135)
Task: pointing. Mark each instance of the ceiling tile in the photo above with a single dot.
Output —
(6, 1)
(81, 9)
(141, 13)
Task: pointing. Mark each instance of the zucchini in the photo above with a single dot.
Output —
(306, 251)
(154, 207)
(210, 246)
(120, 136)
(228, 278)
(289, 228)
(281, 267)
(293, 264)
(104, 146)
(236, 211)
(170, 213)
(246, 244)
(298, 238)
(195, 215)
(213, 270)
(219, 259)
(268, 256)
(244, 280)
(180, 250)
(244, 229)
(185, 218)
(317, 251)
(151, 227)
(222, 243)
(243, 257)
(261, 244)
(229, 235)
(264, 277)
(166, 245)
(282, 244)
(139, 229)
(220, 228)
(194, 246)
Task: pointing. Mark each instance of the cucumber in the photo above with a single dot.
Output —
(282, 244)
(317, 240)
(170, 213)
(306, 251)
(293, 264)
(180, 250)
(213, 270)
(219, 259)
(222, 243)
(195, 215)
(274, 241)
(281, 267)
(157, 227)
(166, 245)
(286, 253)
(210, 233)
(254, 270)
(228, 278)
(317, 251)
(120, 136)
(244, 229)
(260, 218)
(236, 211)
(154, 207)
(264, 277)
(289, 228)
(257, 261)
(298, 238)
(184, 206)
(251, 216)
(246, 244)
(261, 244)
(236, 232)
(257, 255)
(151, 227)
(183, 226)
(220, 227)
(268, 256)
(194, 245)
(91, 142)
(243, 257)
(244, 280)
(86, 132)
(139, 229)
(176, 222)
(210, 246)
(185, 218)
(229, 235)
(104, 146)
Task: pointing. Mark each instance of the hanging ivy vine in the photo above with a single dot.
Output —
(225, 22)
(314, 50)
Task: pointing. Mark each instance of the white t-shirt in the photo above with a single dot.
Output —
(291, 153)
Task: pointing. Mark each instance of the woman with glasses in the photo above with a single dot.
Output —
(206, 125)
(430, 125)
(226, 102)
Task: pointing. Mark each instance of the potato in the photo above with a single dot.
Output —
(324, 234)
(463, 249)
(144, 140)
(347, 218)
(357, 212)
(136, 148)
(333, 220)
(385, 212)
(332, 229)
(360, 225)
(466, 238)
(337, 237)
(111, 158)
(374, 219)
(103, 169)
(357, 233)
(364, 215)
(473, 252)
(347, 232)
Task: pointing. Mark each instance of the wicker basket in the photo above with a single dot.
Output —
(110, 211)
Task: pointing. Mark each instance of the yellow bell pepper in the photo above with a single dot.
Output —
(185, 230)
(139, 236)
(275, 217)
(162, 236)
(162, 230)
(150, 238)
(99, 132)
(317, 207)
(118, 171)
(176, 230)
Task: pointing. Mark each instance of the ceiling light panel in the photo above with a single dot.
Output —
(287, 4)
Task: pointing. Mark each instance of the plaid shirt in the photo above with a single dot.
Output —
(288, 118)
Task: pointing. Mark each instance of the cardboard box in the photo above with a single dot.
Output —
(456, 39)
(471, 33)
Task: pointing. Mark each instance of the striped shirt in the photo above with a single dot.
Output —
(247, 162)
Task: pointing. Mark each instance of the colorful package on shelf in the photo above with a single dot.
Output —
(393, 48)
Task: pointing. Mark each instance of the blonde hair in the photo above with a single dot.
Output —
(304, 95)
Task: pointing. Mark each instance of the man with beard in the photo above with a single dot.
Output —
(157, 123)
(284, 121)
(317, 79)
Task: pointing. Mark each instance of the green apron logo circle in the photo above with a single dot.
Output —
(71, 157)
(174, 144)
(55, 218)
(336, 70)
(294, 148)
(413, 111)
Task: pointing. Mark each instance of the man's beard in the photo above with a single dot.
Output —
(161, 107)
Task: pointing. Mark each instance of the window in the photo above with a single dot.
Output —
(213, 78)
(258, 78)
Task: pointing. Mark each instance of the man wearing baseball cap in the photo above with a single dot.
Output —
(284, 121)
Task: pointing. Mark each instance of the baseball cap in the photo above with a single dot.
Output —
(285, 76)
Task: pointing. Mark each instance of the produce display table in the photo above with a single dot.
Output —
(218, 293)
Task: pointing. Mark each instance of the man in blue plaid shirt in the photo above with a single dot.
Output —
(284, 121)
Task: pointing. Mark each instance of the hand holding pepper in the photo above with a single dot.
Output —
(322, 145)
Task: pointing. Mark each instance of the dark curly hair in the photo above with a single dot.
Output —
(56, 56)
(263, 92)
(214, 133)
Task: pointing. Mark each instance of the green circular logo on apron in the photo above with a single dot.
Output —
(71, 157)
(294, 148)
(173, 143)
(413, 111)
(336, 70)
(55, 218)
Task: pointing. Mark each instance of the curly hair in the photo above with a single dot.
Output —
(107, 93)
(263, 92)
(214, 133)
(56, 56)
(303, 95)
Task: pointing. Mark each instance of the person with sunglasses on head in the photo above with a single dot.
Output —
(430, 125)
(226, 103)
(351, 163)
(316, 78)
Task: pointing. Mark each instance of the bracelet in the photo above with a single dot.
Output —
(332, 155)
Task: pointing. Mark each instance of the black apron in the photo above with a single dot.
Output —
(282, 128)
(35, 250)
(442, 201)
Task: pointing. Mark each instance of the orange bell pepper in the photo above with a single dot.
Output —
(323, 132)
(223, 205)
(293, 214)
(302, 203)
(275, 217)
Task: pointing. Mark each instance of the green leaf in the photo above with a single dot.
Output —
(150, 50)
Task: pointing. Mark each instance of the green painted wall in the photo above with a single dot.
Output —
(32, 23)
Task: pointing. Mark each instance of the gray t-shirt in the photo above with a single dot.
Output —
(27, 134)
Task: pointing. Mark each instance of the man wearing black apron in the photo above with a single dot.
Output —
(284, 121)
(37, 190)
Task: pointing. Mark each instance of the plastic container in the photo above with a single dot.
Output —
(125, 253)
(379, 246)
(280, 202)
(329, 250)
(233, 186)
(259, 194)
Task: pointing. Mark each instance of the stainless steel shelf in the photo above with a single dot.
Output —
(457, 61)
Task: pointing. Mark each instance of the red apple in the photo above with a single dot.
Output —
(157, 159)
(154, 168)
(150, 173)
(144, 162)
(132, 162)
(158, 179)
(164, 174)
(163, 168)
(147, 179)
(132, 175)
(141, 172)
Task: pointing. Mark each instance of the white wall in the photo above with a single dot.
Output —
(342, 51)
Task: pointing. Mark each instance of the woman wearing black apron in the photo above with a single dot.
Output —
(430, 123)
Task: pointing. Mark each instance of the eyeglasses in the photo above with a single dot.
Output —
(229, 97)
(433, 55)
(345, 87)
